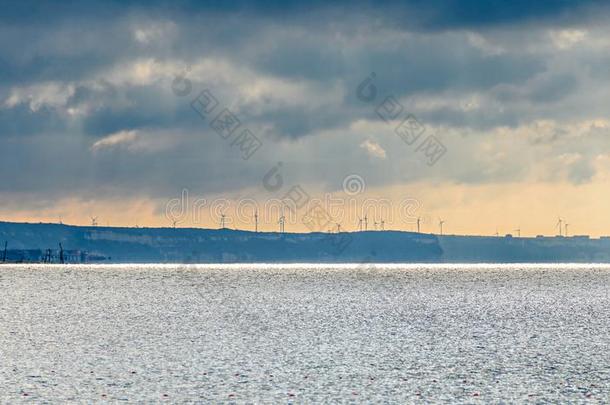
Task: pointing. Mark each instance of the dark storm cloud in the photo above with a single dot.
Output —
(451, 14)
(75, 73)
(439, 65)
(431, 14)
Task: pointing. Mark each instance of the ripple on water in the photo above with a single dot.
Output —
(442, 333)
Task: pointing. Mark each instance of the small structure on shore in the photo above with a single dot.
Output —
(60, 256)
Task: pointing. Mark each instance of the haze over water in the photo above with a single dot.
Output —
(305, 333)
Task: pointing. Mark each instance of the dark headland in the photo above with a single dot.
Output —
(27, 242)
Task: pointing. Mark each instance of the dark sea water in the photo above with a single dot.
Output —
(305, 333)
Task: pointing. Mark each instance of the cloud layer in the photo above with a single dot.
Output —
(96, 97)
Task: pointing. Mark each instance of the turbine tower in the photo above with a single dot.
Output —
(418, 221)
(282, 221)
(440, 224)
(256, 221)
(360, 224)
(566, 227)
(366, 223)
(338, 227)
(222, 221)
(559, 222)
(61, 254)
(382, 225)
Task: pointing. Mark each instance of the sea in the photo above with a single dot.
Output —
(305, 333)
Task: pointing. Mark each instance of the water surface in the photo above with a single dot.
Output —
(305, 333)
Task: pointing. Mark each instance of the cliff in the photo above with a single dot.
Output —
(191, 245)
(223, 245)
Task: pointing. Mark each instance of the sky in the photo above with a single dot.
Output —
(489, 115)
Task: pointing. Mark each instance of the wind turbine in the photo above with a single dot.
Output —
(382, 225)
(222, 221)
(338, 227)
(360, 224)
(559, 222)
(366, 223)
(281, 222)
(440, 224)
(174, 222)
(375, 225)
(418, 221)
(518, 232)
(93, 221)
(256, 221)
(566, 226)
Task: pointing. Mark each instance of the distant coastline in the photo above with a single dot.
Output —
(39, 242)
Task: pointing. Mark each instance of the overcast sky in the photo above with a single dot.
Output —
(96, 115)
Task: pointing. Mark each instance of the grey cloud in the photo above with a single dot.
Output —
(426, 57)
(581, 172)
